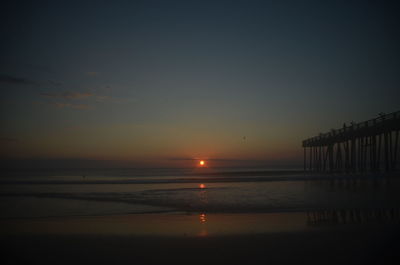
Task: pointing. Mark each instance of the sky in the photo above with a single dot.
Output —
(164, 83)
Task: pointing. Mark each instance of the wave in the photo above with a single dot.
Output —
(225, 177)
(228, 200)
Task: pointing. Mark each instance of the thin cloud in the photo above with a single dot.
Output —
(72, 106)
(110, 99)
(67, 95)
(92, 73)
(210, 159)
(14, 80)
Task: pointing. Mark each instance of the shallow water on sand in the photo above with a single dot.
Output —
(77, 196)
(177, 225)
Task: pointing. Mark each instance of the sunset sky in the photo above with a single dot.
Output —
(158, 83)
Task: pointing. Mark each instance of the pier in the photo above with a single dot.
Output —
(369, 146)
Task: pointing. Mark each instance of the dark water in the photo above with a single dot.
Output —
(44, 193)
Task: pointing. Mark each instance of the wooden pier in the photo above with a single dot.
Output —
(369, 146)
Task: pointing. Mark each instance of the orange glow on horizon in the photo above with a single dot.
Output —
(202, 186)
(202, 163)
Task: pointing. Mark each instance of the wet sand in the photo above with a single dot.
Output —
(196, 239)
(355, 247)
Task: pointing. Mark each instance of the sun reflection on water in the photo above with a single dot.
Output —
(203, 218)
(203, 196)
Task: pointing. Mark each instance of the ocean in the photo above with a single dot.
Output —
(100, 192)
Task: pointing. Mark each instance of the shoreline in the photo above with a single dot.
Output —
(178, 224)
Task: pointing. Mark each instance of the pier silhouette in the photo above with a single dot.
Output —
(369, 146)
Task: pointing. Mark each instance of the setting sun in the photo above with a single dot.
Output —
(202, 163)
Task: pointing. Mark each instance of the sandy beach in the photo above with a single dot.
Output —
(278, 238)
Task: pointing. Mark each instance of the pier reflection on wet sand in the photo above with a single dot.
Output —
(353, 216)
